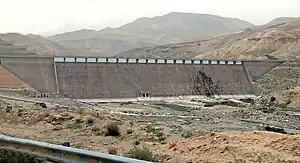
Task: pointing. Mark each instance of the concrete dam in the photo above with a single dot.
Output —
(95, 78)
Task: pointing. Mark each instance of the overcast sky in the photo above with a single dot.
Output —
(55, 16)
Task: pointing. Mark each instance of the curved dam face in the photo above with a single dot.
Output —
(89, 78)
(81, 80)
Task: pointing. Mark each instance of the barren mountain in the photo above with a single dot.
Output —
(35, 44)
(281, 40)
(169, 28)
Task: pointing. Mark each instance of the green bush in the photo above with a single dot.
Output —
(75, 125)
(7, 156)
(141, 154)
(112, 129)
(187, 134)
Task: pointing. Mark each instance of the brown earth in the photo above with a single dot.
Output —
(84, 127)
(237, 147)
(289, 98)
(8, 80)
(283, 83)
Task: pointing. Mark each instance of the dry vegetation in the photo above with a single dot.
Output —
(122, 135)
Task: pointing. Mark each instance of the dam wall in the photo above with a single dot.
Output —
(127, 78)
(37, 72)
(90, 78)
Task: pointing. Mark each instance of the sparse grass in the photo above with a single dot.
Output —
(141, 154)
(79, 120)
(95, 129)
(173, 106)
(256, 157)
(126, 103)
(113, 151)
(112, 129)
(75, 125)
(82, 111)
(90, 120)
(7, 156)
(162, 138)
(187, 134)
(156, 132)
(159, 134)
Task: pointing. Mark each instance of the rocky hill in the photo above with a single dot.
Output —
(35, 44)
(169, 28)
(279, 41)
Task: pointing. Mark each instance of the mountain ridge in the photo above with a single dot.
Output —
(172, 29)
(169, 28)
(279, 41)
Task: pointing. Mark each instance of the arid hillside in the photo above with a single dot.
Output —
(281, 41)
(35, 44)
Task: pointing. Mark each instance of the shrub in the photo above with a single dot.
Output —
(79, 120)
(75, 125)
(95, 129)
(272, 99)
(82, 111)
(187, 134)
(112, 151)
(7, 156)
(159, 134)
(162, 138)
(112, 129)
(90, 120)
(141, 154)
(136, 142)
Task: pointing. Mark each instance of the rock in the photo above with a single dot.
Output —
(57, 117)
(41, 104)
(8, 108)
(113, 151)
(66, 144)
(209, 105)
(58, 127)
(158, 128)
(20, 110)
(136, 143)
(149, 126)
(191, 148)
(163, 142)
(212, 134)
(172, 145)
(56, 107)
(272, 99)
(275, 129)
(248, 100)
(129, 131)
